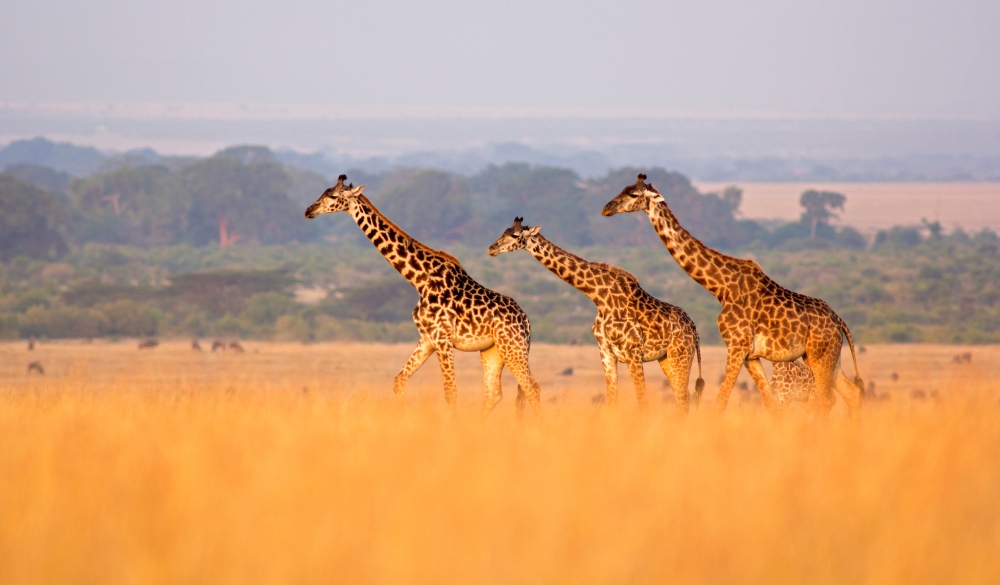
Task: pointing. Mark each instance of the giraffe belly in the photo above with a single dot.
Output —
(768, 348)
(472, 342)
(654, 355)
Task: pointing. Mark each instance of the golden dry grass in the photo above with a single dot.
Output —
(120, 466)
(973, 206)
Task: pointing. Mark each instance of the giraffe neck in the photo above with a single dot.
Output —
(709, 268)
(420, 265)
(569, 267)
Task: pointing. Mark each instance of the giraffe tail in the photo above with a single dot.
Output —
(850, 343)
(699, 384)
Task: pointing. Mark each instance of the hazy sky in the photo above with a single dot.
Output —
(923, 58)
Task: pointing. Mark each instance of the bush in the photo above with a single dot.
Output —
(130, 318)
(62, 322)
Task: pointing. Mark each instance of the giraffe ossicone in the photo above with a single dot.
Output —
(454, 311)
(631, 326)
(759, 318)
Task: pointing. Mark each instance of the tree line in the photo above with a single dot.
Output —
(245, 195)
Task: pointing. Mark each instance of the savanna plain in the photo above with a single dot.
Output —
(294, 463)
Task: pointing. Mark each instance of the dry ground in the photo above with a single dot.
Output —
(291, 463)
(872, 206)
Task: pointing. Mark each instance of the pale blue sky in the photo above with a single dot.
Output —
(856, 58)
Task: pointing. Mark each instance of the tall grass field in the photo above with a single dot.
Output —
(293, 463)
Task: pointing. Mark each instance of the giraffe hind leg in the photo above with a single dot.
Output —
(515, 357)
(851, 393)
(677, 369)
(821, 399)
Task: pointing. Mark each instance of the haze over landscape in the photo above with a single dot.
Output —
(772, 91)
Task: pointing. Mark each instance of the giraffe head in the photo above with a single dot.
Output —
(514, 238)
(334, 199)
(635, 197)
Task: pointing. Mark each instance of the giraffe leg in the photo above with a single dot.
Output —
(851, 394)
(677, 369)
(763, 386)
(734, 362)
(638, 380)
(610, 363)
(520, 401)
(822, 399)
(420, 354)
(492, 368)
(515, 357)
(446, 357)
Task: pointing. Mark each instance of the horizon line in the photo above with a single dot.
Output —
(235, 111)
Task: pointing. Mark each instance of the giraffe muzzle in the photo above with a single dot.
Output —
(609, 209)
(311, 211)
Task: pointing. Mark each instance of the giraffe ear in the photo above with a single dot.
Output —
(532, 230)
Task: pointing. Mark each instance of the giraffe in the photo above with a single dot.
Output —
(631, 325)
(454, 311)
(759, 318)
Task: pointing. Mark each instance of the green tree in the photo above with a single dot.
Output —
(145, 206)
(548, 196)
(819, 206)
(31, 220)
(429, 205)
(235, 200)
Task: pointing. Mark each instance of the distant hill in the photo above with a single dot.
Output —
(62, 156)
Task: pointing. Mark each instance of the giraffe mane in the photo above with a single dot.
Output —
(416, 243)
(616, 270)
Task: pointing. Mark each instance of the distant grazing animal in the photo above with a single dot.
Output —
(872, 394)
(631, 326)
(566, 372)
(235, 346)
(31, 343)
(36, 367)
(894, 377)
(195, 346)
(454, 311)
(862, 349)
(963, 358)
(218, 345)
(759, 318)
(148, 344)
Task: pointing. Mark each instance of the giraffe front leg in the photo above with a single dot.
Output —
(638, 380)
(734, 362)
(420, 354)
(763, 386)
(610, 364)
(492, 368)
(446, 358)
